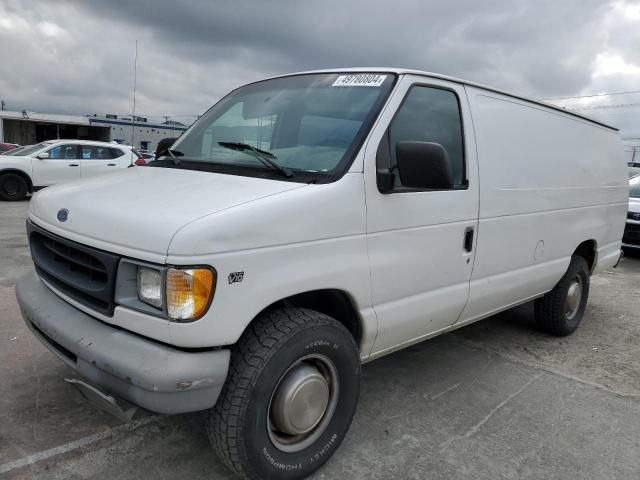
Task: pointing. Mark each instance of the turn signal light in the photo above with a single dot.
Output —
(189, 292)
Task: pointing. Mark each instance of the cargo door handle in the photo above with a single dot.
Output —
(468, 239)
(73, 165)
(111, 164)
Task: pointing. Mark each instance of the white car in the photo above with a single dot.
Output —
(309, 223)
(58, 161)
(631, 238)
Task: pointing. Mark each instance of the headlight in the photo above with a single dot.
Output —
(186, 292)
(150, 286)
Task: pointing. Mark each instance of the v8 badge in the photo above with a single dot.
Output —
(235, 277)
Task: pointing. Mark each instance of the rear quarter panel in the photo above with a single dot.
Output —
(548, 181)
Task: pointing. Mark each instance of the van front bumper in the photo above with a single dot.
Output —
(152, 375)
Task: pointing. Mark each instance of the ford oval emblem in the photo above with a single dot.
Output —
(63, 214)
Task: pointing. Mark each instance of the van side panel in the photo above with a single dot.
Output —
(548, 182)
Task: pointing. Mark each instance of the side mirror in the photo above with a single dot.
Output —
(163, 146)
(424, 165)
(43, 155)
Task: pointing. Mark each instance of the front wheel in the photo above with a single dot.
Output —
(13, 187)
(560, 311)
(290, 395)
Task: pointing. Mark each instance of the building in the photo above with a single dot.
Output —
(26, 128)
(146, 135)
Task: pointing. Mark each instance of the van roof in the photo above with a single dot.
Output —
(402, 71)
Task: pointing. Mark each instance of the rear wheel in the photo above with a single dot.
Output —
(13, 187)
(290, 395)
(560, 311)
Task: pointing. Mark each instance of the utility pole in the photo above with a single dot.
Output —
(135, 79)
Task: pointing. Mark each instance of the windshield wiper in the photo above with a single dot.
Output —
(264, 156)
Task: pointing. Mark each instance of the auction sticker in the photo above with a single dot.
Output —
(359, 80)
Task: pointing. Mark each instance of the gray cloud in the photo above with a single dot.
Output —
(76, 56)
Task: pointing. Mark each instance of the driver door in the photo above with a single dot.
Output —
(421, 243)
(62, 165)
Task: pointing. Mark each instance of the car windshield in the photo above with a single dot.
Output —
(634, 187)
(16, 151)
(309, 124)
(29, 149)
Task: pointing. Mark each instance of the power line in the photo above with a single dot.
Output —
(591, 96)
(605, 107)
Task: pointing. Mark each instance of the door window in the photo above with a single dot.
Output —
(64, 152)
(116, 152)
(429, 114)
(94, 152)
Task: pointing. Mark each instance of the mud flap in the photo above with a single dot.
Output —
(101, 400)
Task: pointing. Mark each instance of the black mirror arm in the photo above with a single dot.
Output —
(386, 177)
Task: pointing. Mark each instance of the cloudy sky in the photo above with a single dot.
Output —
(76, 56)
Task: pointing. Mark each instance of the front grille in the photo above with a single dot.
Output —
(83, 273)
(631, 234)
(633, 215)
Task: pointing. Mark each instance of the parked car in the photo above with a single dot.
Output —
(16, 151)
(631, 237)
(7, 147)
(633, 171)
(148, 157)
(309, 223)
(58, 161)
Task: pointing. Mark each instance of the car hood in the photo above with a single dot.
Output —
(634, 204)
(141, 208)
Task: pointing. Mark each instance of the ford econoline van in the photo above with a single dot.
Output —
(307, 224)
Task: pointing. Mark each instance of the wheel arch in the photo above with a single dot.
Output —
(589, 251)
(22, 173)
(335, 303)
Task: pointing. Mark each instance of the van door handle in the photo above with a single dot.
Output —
(73, 165)
(111, 164)
(468, 239)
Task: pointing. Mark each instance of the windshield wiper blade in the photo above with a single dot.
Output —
(264, 156)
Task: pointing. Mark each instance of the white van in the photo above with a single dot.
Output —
(307, 224)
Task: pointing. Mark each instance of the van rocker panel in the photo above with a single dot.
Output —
(149, 374)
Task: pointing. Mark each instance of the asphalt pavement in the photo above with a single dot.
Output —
(494, 400)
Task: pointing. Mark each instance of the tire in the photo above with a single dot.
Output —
(242, 424)
(556, 313)
(13, 187)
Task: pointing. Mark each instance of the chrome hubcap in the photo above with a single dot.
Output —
(303, 403)
(574, 296)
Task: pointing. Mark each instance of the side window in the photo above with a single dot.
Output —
(89, 152)
(430, 114)
(116, 152)
(103, 153)
(64, 152)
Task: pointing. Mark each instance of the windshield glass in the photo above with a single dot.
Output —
(310, 124)
(29, 149)
(634, 187)
(16, 151)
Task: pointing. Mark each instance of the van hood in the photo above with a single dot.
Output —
(140, 209)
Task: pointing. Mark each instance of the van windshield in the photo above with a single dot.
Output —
(310, 125)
